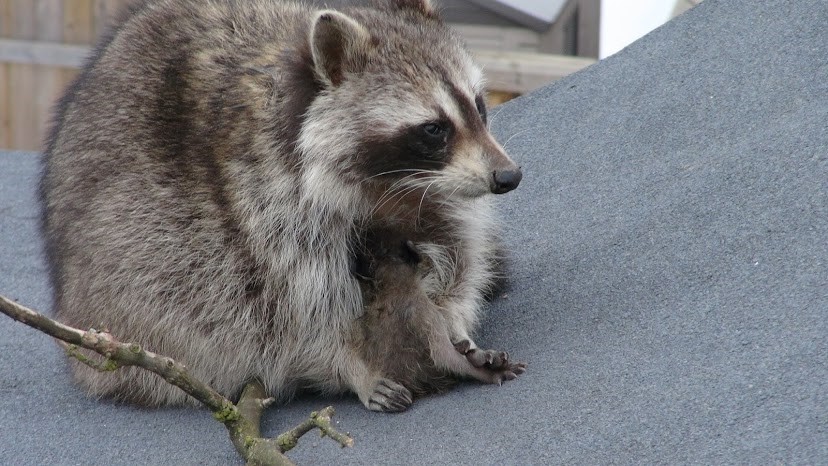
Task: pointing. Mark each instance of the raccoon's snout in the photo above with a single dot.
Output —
(504, 181)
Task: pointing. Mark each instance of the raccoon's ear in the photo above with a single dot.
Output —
(424, 7)
(339, 44)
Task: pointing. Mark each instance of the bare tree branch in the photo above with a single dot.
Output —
(320, 420)
(242, 421)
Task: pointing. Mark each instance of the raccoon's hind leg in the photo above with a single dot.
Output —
(487, 360)
(460, 359)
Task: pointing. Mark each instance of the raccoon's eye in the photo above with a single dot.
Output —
(434, 130)
(429, 141)
(481, 107)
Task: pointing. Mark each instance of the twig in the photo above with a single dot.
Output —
(242, 421)
(126, 354)
(320, 420)
(107, 365)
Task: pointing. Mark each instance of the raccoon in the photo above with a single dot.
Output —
(211, 171)
(403, 334)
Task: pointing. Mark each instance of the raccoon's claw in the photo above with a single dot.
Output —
(389, 397)
(509, 371)
(463, 346)
(514, 370)
(496, 363)
(490, 359)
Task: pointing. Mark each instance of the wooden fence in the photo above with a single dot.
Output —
(40, 44)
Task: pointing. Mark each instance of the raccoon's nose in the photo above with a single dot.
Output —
(506, 180)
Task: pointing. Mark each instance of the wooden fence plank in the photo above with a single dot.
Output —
(22, 19)
(78, 29)
(5, 20)
(105, 12)
(48, 79)
(22, 117)
(5, 128)
(5, 117)
(79, 22)
(22, 114)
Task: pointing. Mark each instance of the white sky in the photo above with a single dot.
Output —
(624, 21)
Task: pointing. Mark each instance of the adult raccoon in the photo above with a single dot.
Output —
(212, 169)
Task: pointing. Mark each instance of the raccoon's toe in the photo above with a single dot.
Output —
(389, 397)
(512, 371)
(489, 359)
(490, 366)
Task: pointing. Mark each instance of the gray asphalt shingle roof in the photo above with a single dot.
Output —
(669, 281)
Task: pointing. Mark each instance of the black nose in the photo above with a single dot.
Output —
(506, 180)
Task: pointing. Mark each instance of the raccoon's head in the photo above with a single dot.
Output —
(401, 107)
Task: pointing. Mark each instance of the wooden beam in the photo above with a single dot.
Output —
(42, 53)
(521, 72)
(589, 27)
(497, 37)
(517, 72)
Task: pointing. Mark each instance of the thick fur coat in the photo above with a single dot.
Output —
(217, 163)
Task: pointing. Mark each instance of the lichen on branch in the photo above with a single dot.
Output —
(242, 420)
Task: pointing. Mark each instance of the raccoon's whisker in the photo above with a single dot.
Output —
(447, 199)
(385, 198)
(422, 199)
(407, 179)
(402, 182)
(415, 170)
(434, 162)
(400, 194)
(419, 183)
(452, 193)
(413, 188)
(495, 115)
(399, 184)
(516, 134)
(399, 188)
(424, 179)
(393, 189)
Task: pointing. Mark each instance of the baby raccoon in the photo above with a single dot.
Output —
(404, 335)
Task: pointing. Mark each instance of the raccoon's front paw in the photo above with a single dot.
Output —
(389, 397)
(496, 363)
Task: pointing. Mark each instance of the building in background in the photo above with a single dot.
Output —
(684, 5)
(522, 45)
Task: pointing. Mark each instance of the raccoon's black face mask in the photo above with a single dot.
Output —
(412, 102)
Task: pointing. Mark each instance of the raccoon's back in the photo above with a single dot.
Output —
(166, 92)
(138, 193)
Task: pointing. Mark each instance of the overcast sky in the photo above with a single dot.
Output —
(624, 21)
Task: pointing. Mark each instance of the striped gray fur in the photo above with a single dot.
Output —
(214, 168)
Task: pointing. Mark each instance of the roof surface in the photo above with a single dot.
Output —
(669, 284)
